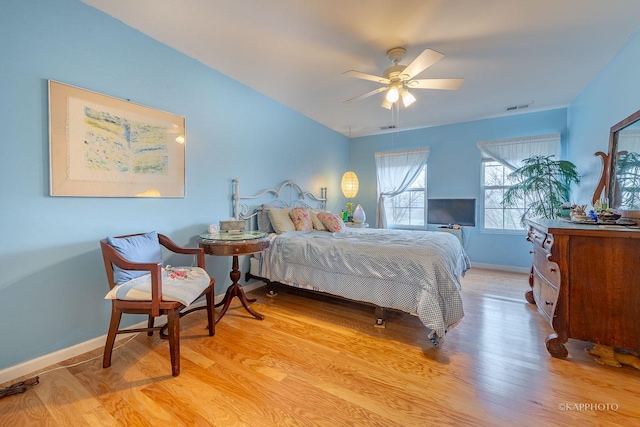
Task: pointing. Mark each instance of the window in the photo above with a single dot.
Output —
(495, 181)
(499, 159)
(408, 209)
(401, 177)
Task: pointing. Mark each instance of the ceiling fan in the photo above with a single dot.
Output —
(399, 78)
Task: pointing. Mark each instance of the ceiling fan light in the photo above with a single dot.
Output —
(407, 98)
(386, 104)
(392, 94)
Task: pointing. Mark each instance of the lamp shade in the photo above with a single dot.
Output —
(392, 94)
(349, 184)
(407, 98)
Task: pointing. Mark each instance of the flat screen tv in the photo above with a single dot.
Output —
(452, 211)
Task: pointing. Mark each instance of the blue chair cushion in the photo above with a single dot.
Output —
(143, 248)
(182, 284)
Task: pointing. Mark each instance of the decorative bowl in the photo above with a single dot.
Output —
(608, 216)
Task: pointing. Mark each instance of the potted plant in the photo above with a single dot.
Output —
(544, 184)
(349, 210)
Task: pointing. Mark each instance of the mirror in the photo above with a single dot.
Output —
(624, 152)
(620, 180)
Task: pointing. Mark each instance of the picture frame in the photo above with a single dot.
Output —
(101, 146)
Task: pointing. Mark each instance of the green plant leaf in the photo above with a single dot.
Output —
(544, 184)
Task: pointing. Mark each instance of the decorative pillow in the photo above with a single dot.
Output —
(142, 248)
(281, 221)
(331, 221)
(301, 218)
(317, 224)
(182, 284)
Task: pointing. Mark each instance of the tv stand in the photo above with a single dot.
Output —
(455, 231)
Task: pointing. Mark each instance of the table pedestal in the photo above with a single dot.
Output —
(235, 290)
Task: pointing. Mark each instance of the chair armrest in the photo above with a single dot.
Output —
(173, 247)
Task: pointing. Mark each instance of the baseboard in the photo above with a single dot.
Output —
(508, 268)
(38, 364)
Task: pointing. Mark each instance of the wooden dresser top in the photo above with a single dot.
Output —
(560, 226)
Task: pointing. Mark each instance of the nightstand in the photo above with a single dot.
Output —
(235, 244)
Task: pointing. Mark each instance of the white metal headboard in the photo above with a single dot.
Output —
(295, 196)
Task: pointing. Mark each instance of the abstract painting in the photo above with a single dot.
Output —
(102, 146)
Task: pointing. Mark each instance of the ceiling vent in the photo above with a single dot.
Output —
(518, 107)
(388, 127)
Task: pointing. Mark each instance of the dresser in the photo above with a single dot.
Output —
(585, 279)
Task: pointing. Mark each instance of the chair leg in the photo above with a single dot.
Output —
(173, 322)
(211, 312)
(150, 322)
(116, 315)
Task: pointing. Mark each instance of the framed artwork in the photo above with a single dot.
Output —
(100, 146)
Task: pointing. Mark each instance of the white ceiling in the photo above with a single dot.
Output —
(510, 52)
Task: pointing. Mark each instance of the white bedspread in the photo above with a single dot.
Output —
(414, 271)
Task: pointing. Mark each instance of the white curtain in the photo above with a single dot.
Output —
(511, 152)
(395, 171)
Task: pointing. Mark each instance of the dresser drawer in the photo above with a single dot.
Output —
(536, 237)
(545, 295)
(547, 269)
(540, 239)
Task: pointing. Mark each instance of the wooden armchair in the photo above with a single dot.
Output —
(152, 290)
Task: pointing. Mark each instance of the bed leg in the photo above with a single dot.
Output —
(271, 289)
(381, 321)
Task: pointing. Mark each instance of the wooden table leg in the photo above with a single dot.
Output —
(235, 290)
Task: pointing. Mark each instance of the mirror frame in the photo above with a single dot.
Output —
(609, 161)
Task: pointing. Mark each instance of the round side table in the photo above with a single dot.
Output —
(235, 244)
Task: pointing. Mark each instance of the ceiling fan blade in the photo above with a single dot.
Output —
(444, 84)
(426, 59)
(373, 92)
(365, 76)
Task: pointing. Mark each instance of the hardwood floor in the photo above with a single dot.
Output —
(319, 361)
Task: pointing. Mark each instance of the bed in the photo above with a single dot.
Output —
(417, 272)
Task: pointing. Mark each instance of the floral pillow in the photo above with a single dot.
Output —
(331, 221)
(301, 218)
(317, 224)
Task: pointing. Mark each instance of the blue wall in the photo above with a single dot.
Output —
(612, 96)
(52, 280)
(53, 283)
(454, 170)
(454, 163)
